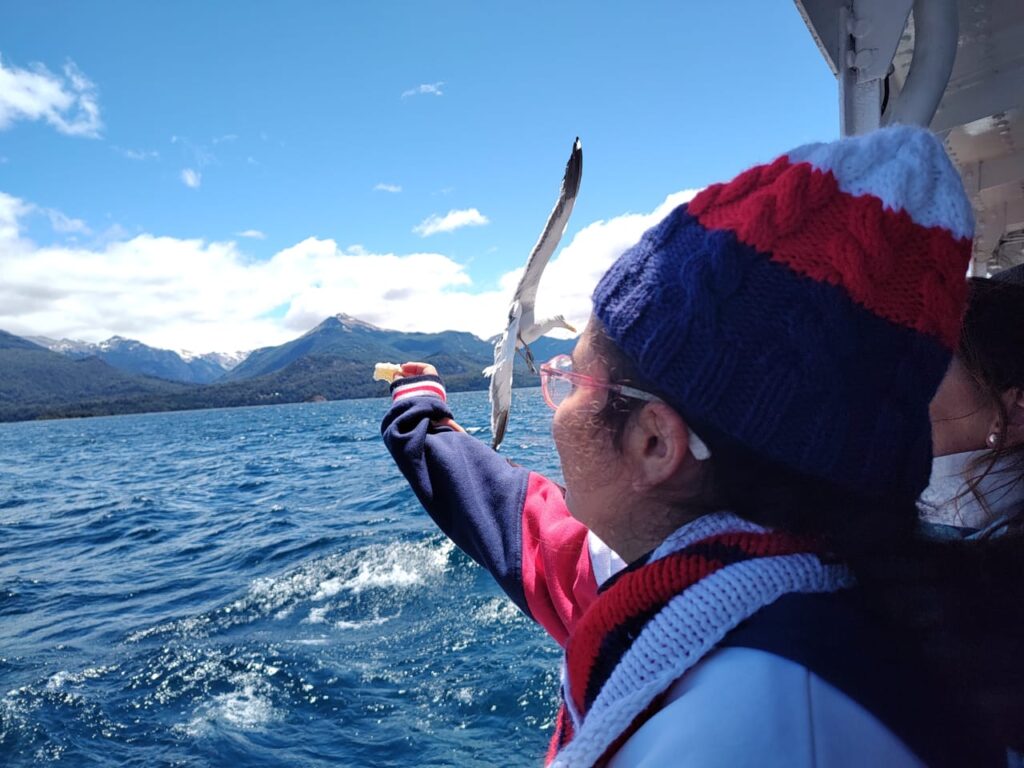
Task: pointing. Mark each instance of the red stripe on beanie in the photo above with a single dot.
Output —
(798, 216)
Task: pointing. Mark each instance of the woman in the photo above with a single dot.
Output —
(977, 483)
(747, 426)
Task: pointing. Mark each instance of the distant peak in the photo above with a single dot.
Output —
(348, 322)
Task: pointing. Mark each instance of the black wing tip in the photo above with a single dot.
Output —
(574, 168)
(499, 431)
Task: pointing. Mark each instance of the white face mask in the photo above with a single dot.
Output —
(948, 501)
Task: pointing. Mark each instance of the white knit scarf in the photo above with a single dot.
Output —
(686, 629)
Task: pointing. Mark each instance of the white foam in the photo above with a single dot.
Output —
(372, 576)
(317, 616)
(397, 566)
(244, 709)
(58, 680)
(328, 588)
(374, 622)
(497, 610)
(322, 640)
(248, 707)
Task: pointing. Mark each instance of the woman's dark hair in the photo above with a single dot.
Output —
(992, 351)
(961, 602)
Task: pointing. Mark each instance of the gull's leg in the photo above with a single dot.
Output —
(528, 357)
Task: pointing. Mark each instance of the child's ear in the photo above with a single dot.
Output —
(658, 444)
(1013, 401)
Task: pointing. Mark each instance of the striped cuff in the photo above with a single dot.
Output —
(417, 386)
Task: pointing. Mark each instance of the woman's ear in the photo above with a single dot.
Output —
(657, 444)
(1013, 402)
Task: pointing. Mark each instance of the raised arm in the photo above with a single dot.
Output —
(511, 521)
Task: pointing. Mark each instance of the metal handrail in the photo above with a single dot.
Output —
(936, 30)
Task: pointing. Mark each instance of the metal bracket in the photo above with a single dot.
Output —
(868, 34)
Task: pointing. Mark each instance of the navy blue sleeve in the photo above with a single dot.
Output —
(473, 495)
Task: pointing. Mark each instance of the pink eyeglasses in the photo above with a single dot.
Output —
(558, 380)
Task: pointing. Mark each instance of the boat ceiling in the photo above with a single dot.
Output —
(980, 116)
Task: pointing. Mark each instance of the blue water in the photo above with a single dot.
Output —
(254, 586)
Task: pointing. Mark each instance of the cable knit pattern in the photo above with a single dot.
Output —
(810, 324)
(668, 614)
(882, 259)
(904, 167)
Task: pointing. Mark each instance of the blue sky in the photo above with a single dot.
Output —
(223, 175)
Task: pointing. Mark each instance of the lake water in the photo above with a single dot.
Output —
(255, 586)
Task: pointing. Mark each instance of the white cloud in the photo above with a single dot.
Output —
(11, 211)
(67, 103)
(196, 155)
(212, 296)
(65, 224)
(227, 137)
(570, 277)
(254, 234)
(425, 89)
(191, 178)
(382, 187)
(470, 217)
(137, 154)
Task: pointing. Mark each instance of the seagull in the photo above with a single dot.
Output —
(523, 329)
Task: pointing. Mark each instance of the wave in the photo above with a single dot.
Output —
(394, 567)
(344, 439)
(60, 680)
(498, 611)
(248, 706)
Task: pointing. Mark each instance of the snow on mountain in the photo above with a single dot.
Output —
(226, 360)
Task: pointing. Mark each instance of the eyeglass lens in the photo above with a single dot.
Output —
(558, 389)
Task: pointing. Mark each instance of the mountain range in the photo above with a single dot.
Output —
(135, 357)
(333, 361)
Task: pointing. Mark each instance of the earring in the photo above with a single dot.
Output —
(992, 439)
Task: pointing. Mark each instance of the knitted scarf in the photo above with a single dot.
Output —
(654, 622)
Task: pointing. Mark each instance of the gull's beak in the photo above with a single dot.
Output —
(571, 328)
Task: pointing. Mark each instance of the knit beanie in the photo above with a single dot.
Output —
(807, 309)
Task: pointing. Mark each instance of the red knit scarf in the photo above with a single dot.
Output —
(608, 628)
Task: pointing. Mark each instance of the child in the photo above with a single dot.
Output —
(745, 422)
(977, 484)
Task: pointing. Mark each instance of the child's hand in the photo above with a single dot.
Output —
(426, 369)
(447, 423)
(417, 369)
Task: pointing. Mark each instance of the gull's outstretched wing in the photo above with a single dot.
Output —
(526, 293)
(500, 393)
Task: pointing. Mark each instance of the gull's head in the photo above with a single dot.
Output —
(561, 322)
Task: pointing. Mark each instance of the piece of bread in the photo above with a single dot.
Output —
(386, 372)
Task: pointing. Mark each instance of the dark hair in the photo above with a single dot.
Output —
(961, 603)
(992, 351)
